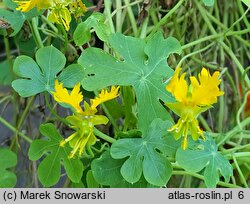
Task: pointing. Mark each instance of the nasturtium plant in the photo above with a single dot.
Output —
(16, 18)
(8, 160)
(147, 155)
(40, 76)
(141, 64)
(82, 33)
(99, 94)
(204, 155)
(49, 170)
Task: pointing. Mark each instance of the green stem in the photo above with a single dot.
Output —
(165, 18)
(221, 109)
(204, 123)
(194, 53)
(104, 136)
(65, 35)
(211, 17)
(214, 36)
(25, 112)
(236, 61)
(226, 48)
(234, 131)
(91, 154)
(12, 128)
(238, 155)
(245, 19)
(144, 26)
(118, 16)
(122, 7)
(22, 119)
(239, 147)
(242, 178)
(35, 31)
(131, 17)
(243, 15)
(107, 6)
(241, 109)
(221, 183)
(8, 55)
(51, 25)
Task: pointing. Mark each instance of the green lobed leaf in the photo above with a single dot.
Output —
(82, 33)
(49, 170)
(16, 18)
(147, 155)
(8, 159)
(247, 2)
(40, 76)
(10, 4)
(143, 65)
(208, 2)
(106, 171)
(202, 155)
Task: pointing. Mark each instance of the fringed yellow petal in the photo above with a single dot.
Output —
(191, 101)
(104, 96)
(206, 92)
(178, 86)
(26, 6)
(73, 99)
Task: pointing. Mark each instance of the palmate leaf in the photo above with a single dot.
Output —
(143, 65)
(49, 170)
(7, 160)
(147, 155)
(202, 155)
(39, 77)
(106, 171)
(82, 33)
(16, 18)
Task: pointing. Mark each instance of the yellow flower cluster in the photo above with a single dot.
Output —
(191, 100)
(82, 121)
(59, 10)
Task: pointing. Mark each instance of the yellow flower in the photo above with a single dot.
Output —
(73, 99)
(104, 96)
(61, 15)
(192, 100)
(26, 6)
(59, 10)
(84, 131)
(83, 121)
(77, 8)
